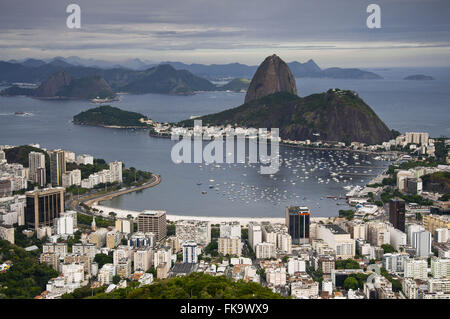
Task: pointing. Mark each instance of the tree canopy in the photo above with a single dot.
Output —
(194, 286)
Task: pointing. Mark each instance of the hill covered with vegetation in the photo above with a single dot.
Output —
(107, 115)
(165, 79)
(335, 115)
(235, 85)
(87, 88)
(20, 155)
(26, 278)
(61, 85)
(194, 286)
(437, 182)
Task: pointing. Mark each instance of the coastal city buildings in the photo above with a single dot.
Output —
(190, 255)
(287, 257)
(57, 167)
(43, 207)
(298, 224)
(397, 213)
(153, 222)
(37, 168)
(193, 230)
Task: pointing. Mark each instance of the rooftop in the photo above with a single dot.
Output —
(183, 268)
(153, 213)
(335, 229)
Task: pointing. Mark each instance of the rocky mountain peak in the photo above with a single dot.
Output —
(50, 87)
(272, 76)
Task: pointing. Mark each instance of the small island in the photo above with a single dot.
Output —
(112, 117)
(236, 85)
(419, 77)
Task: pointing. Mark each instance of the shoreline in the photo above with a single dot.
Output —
(123, 213)
(93, 201)
(390, 153)
(112, 126)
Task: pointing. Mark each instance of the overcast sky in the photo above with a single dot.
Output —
(332, 32)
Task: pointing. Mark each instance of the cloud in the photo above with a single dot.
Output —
(226, 31)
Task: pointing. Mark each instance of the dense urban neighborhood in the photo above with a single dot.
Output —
(58, 242)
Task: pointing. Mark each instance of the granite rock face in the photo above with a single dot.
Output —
(54, 83)
(272, 76)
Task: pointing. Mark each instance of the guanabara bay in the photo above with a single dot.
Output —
(224, 158)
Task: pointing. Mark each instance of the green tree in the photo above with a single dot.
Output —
(215, 232)
(194, 286)
(347, 264)
(116, 279)
(26, 278)
(102, 259)
(212, 248)
(244, 233)
(388, 249)
(351, 283)
(170, 229)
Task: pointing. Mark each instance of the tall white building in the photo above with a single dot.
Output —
(193, 230)
(85, 159)
(70, 178)
(124, 225)
(411, 229)
(122, 252)
(417, 138)
(162, 256)
(230, 246)
(190, 252)
(422, 243)
(115, 169)
(230, 229)
(441, 235)
(338, 239)
(88, 249)
(265, 250)
(416, 269)
(395, 262)
(276, 277)
(327, 286)
(69, 156)
(36, 160)
(254, 234)
(74, 273)
(106, 274)
(296, 264)
(143, 259)
(284, 243)
(440, 268)
(65, 224)
(397, 238)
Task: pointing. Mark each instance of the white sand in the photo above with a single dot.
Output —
(122, 213)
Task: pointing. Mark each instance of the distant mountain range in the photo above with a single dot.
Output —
(167, 80)
(33, 70)
(299, 70)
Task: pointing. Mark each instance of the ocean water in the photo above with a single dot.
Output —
(305, 177)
